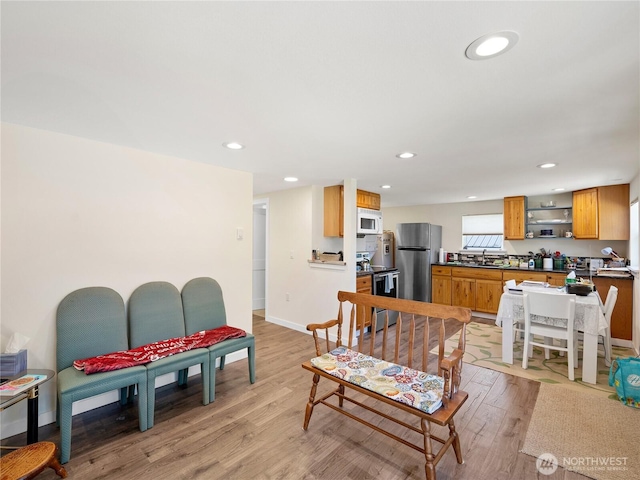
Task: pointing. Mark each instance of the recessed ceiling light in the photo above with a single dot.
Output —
(290, 179)
(491, 45)
(385, 186)
(558, 189)
(471, 197)
(547, 165)
(406, 155)
(233, 145)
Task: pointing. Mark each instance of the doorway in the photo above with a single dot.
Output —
(259, 264)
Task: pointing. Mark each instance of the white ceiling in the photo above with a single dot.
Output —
(330, 90)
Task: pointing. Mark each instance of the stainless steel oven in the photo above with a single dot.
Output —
(385, 284)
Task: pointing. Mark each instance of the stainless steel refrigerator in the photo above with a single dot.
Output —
(417, 246)
(384, 251)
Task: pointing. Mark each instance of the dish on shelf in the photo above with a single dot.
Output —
(547, 236)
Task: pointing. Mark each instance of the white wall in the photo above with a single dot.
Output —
(449, 215)
(295, 227)
(259, 256)
(78, 213)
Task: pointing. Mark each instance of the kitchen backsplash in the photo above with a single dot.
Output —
(568, 261)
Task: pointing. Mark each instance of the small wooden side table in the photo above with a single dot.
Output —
(31, 394)
(30, 461)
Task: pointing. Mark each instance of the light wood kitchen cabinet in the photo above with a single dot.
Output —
(476, 288)
(463, 292)
(556, 279)
(523, 275)
(585, 213)
(366, 199)
(480, 289)
(488, 293)
(334, 208)
(441, 285)
(621, 319)
(364, 284)
(513, 215)
(334, 211)
(601, 213)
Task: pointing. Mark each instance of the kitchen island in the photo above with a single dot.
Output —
(479, 287)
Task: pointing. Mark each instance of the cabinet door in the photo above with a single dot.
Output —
(557, 279)
(374, 201)
(613, 212)
(585, 213)
(622, 313)
(513, 218)
(463, 293)
(488, 294)
(366, 199)
(441, 290)
(334, 211)
(524, 275)
(361, 199)
(363, 285)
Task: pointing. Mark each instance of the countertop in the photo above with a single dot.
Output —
(579, 273)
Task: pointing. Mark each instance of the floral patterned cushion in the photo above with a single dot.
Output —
(402, 384)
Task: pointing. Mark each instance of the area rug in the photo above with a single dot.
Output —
(484, 349)
(583, 432)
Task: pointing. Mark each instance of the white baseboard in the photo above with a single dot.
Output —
(298, 328)
(9, 429)
(623, 343)
(490, 316)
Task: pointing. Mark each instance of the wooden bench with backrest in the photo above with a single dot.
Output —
(392, 367)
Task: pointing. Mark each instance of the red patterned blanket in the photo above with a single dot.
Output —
(157, 350)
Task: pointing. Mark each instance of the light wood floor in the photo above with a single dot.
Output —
(255, 431)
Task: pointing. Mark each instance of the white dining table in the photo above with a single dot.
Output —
(589, 319)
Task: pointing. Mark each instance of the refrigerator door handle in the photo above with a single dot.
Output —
(415, 249)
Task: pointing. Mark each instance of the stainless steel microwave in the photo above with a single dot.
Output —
(369, 221)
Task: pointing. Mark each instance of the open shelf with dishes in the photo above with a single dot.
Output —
(549, 217)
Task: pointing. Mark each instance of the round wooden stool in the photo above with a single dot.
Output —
(28, 462)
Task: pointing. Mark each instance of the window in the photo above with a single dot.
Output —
(482, 232)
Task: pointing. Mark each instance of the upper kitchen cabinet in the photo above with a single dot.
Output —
(368, 200)
(601, 213)
(334, 211)
(514, 218)
(334, 208)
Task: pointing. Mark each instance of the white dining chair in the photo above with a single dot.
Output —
(607, 310)
(561, 307)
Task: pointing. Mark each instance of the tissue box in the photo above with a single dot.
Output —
(12, 363)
